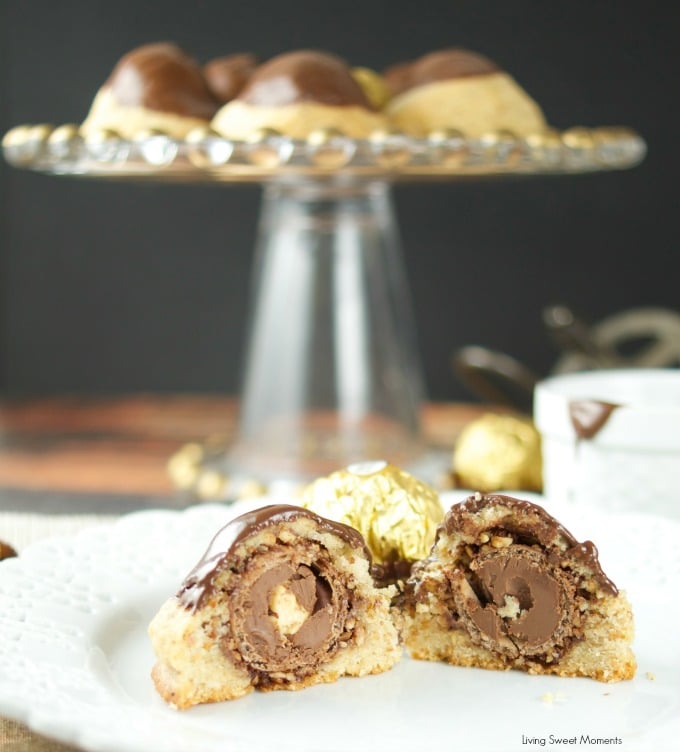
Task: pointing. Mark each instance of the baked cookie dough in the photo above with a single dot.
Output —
(153, 87)
(462, 90)
(507, 587)
(282, 599)
(297, 93)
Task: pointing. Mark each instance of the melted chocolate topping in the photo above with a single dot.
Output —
(162, 77)
(226, 76)
(529, 524)
(441, 65)
(304, 76)
(589, 416)
(198, 584)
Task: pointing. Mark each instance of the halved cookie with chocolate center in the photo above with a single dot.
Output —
(506, 586)
(282, 599)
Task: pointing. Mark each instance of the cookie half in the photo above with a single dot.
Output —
(282, 599)
(153, 87)
(297, 93)
(459, 89)
(506, 586)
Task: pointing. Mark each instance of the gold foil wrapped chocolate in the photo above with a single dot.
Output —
(396, 513)
(498, 452)
(373, 85)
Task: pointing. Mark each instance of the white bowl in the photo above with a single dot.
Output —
(632, 463)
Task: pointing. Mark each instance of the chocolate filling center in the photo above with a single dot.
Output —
(288, 614)
(516, 602)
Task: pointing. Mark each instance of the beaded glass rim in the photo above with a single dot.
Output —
(205, 156)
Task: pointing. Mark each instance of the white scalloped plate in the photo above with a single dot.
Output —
(75, 658)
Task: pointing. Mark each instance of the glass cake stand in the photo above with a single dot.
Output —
(332, 373)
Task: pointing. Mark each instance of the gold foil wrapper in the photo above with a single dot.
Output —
(497, 452)
(373, 85)
(396, 513)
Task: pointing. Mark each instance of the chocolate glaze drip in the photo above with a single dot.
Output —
(162, 77)
(304, 76)
(198, 585)
(589, 416)
(441, 65)
(226, 76)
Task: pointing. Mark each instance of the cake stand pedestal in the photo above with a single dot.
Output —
(332, 373)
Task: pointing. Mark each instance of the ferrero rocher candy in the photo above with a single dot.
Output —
(396, 513)
(498, 452)
(373, 85)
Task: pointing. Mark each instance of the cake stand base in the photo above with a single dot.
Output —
(332, 373)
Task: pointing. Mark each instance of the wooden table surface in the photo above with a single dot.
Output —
(91, 454)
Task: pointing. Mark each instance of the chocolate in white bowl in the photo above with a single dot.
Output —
(611, 439)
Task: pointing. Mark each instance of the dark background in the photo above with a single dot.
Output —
(119, 287)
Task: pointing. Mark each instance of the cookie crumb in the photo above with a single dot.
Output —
(651, 675)
(549, 698)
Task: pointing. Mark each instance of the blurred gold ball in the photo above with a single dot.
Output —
(497, 452)
(373, 85)
(17, 136)
(66, 132)
(211, 485)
